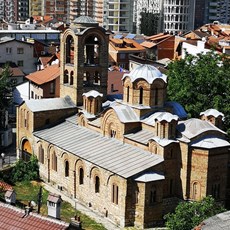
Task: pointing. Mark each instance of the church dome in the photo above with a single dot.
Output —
(85, 20)
(146, 72)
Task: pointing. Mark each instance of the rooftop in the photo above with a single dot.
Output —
(15, 218)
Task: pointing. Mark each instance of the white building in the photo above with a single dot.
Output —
(19, 52)
(179, 15)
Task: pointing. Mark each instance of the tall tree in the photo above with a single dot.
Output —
(201, 82)
(190, 214)
(5, 88)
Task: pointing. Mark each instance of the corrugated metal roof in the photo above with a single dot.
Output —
(194, 127)
(113, 155)
(212, 112)
(143, 136)
(50, 104)
(210, 142)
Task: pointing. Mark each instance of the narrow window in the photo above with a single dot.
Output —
(141, 96)
(52, 87)
(54, 161)
(66, 168)
(97, 184)
(115, 193)
(66, 77)
(153, 196)
(128, 94)
(81, 176)
(71, 78)
(156, 96)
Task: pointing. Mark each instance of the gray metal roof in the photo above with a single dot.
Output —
(122, 159)
(148, 177)
(194, 127)
(147, 72)
(85, 19)
(212, 112)
(143, 136)
(50, 104)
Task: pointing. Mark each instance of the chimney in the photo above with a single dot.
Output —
(54, 205)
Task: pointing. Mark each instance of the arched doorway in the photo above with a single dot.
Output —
(26, 150)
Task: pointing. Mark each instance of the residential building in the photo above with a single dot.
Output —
(146, 12)
(45, 83)
(19, 52)
(132, 160)
(121, 48)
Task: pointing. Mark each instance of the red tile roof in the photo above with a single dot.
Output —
(13, 218)
(46, 75)
(4, 186)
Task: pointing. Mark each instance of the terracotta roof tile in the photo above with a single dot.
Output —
(46, 75)
(4, 186)
(14, 218)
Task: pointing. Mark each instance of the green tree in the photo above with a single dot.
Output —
(26, 171)
(6, 87)
(190, 214)
(201, 82)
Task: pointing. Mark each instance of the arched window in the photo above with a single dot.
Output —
(156, 96)
(128, 94)
(96, 78)
(97, 184)
(54, 161)
(66, 77)
(81, 176)
(70, 50)
(71, 78)
(41, 154)
(86, 79)
(66, 168)
(115, 193)
(141, 96)
(153, 196)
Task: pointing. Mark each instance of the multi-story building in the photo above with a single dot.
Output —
(217, 10)
(178, 15)
(22, 10)
(145, 11)
(56, 8)
(113, 15)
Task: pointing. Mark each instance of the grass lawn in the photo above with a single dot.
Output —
(27, 191)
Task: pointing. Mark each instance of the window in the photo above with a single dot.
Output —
(122, 56)
(115, 193)
(20, 63)
(128, 94)
(41, 154)
(66, 80)
(66, 168)
(97, 184)
(71, 78)
(81, 176)
(54, 161)
(141, 96)
(153, 196)
(8, 50)
(20, 51)
(52, 87)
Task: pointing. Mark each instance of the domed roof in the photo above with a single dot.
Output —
(85, 20)
(93, 93)
(147, 72)
(212, 112)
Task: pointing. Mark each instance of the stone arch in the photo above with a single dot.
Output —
(196, 190)
(110, 120)
(66, 77)
(94, 40)
(82, 120)
(79, 164)
(26, 149)
(41, 152)
(69, 48)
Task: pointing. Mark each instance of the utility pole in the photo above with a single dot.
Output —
(39, 199)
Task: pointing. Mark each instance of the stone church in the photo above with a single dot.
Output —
(131, 160)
